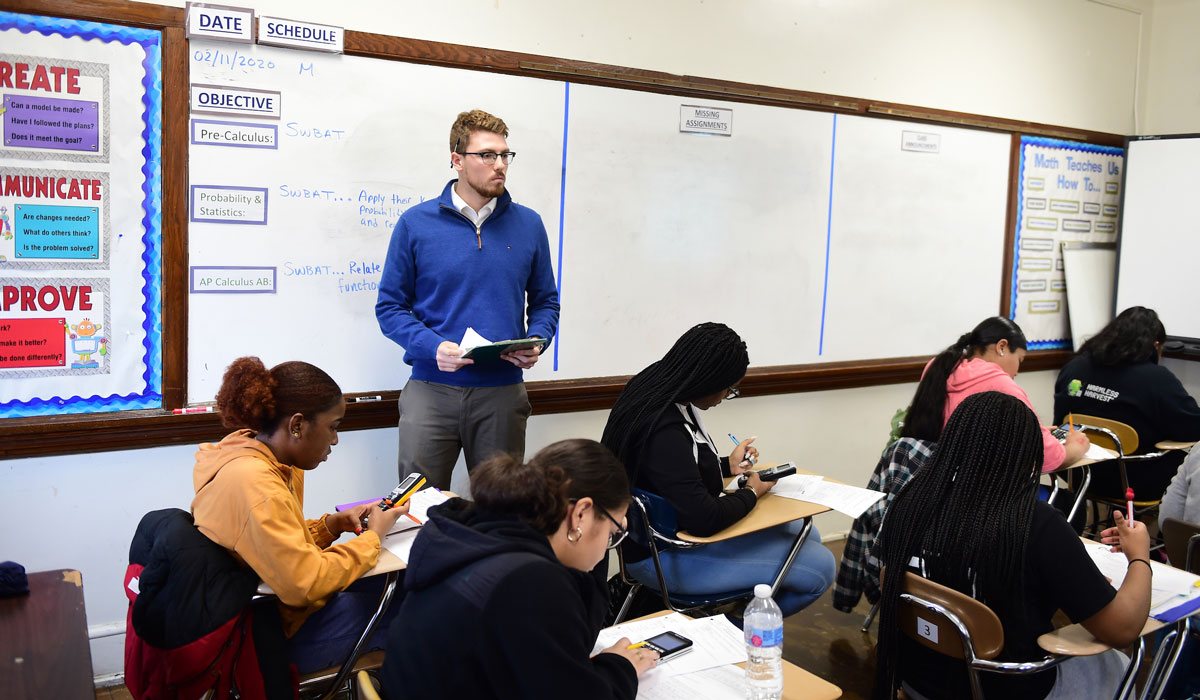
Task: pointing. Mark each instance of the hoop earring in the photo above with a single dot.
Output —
(578, 534)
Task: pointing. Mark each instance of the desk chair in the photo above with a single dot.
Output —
(957, 625)
(653, 525)
(1182, 541)
(1123, 439)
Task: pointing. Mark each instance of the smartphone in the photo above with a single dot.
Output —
(774, 473)
(668, 645)
(403, 491)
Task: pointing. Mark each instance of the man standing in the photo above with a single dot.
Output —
(471, 258)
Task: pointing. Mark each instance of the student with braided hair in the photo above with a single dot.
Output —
(655, 430)
(969, 520)
(250, 500)
(985, 359)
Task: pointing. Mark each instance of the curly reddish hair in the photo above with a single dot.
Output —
(258, 398)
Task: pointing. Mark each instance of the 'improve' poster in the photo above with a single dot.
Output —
(80, 267)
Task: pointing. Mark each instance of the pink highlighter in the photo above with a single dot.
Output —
(1129, 504)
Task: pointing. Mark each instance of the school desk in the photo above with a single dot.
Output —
(44, 650)
(798, 684)
(771, 510)
(1074, 640)
(1185, 445)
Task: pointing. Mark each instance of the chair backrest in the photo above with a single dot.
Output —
(1182, 541)
(945, 620)
(1124, 432)
(660, 515)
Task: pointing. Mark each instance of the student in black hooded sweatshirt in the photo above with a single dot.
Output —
(1117, 375)
(501, 601)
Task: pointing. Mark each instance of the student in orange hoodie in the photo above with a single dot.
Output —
(250, 500)
(985, 359)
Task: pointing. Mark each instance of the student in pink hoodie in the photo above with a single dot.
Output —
(986, 359)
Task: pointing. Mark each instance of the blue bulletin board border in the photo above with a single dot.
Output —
(1026, 141)
(150, 395)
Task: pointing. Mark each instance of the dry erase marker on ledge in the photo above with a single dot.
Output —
(365, 399)
(193, 409)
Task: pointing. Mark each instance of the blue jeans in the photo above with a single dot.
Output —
(327, 637)
(740, 563)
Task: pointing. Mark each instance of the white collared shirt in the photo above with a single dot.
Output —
(699, 435)
(476, 217)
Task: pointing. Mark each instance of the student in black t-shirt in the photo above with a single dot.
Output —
(1117, 375)
(971, 520)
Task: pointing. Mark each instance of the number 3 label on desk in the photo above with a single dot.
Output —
(927, 629)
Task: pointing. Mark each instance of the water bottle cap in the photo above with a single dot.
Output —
(762, 590)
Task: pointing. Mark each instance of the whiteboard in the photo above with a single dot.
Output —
(1160, 233)
(816, 237)
(916, 238)
(351, 127)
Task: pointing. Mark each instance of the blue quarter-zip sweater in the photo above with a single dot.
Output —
(441, 276)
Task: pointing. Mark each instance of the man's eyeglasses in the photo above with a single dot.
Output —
(489, 158)
(614, 538)
(733, 393)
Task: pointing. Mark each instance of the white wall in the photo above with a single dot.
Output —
(1172, 91)
(1065, 62)
(1068, 62)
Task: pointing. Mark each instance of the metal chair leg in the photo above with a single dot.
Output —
(628, 602)
(1129, 682)
(866, 625)
(791, 557)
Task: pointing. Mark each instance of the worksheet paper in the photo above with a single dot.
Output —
(1099, 453)
(400, 543)
(715, 642)
(1169, 586)
(719, 683)
(850, 500)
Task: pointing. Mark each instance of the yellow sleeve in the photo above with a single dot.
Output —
(320, 532)
(275, 545)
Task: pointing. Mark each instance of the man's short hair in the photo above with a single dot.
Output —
(468, 123)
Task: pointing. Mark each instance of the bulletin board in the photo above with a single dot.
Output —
(80, 285)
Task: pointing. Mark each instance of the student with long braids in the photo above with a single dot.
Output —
(969, 520)
(655, 430)
(985, 359)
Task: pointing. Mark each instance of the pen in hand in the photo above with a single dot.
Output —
(746, 456)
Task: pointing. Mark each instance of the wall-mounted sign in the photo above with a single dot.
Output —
(235, 101)
(300, 35)
(220, 22)
(705, 120)
(920, 142)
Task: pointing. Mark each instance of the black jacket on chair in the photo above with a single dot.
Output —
(191, 625)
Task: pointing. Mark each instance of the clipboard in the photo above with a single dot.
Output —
(493, 351)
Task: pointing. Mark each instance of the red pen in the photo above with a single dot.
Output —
(1129, 504)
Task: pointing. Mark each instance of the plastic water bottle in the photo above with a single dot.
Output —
(763, 626)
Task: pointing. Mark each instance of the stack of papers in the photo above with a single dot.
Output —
(813, 488)
(716, 643)
(1169, 588)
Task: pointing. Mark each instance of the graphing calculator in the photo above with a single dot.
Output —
(668, 645)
